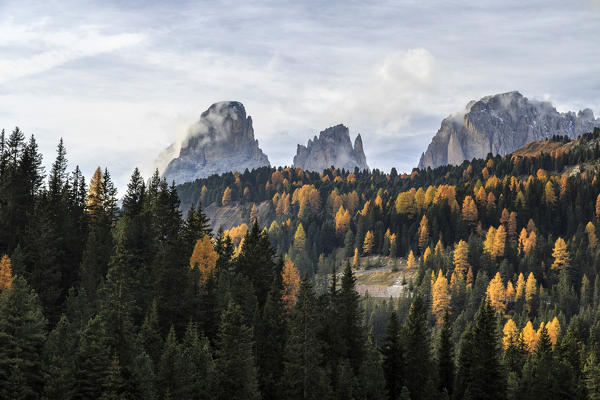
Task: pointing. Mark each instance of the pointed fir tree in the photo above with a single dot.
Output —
(92, 361)
(304, 376)
(235, 364)
(445, 357)
(417, 349)
(393, 358)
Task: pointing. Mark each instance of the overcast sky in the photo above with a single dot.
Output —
(120, 82)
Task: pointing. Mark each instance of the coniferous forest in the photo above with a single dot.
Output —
(107, 295)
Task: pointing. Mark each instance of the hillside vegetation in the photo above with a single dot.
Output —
(493, 266)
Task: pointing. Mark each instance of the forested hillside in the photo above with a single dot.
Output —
(144, 302)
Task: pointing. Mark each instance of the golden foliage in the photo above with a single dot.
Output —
(411, 262)
(560, 254)
(6, 276)
(300, 238)
(308, 199)
(590, 229)
(226, 199)
(342, 221)
(204, 257)
(368, 243)
(461, 258)
(520, 291)
(355, 258)
(291, 283)
(553, 328)
(510, 332)
(530, 336)
(237, 233)
(93, 200)
(549, 194)
(496, 293)
(441, 297)
(530, 290)
(423, 232)
(469, 211)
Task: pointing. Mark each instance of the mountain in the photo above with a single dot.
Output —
(500, 124)
(221, 141)
(332, 147)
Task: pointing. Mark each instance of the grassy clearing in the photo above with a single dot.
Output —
(383, 278)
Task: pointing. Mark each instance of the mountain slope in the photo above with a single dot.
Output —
(331, 148)
(221, 141)
(500, 124)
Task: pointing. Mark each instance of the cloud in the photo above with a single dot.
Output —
(43, 49)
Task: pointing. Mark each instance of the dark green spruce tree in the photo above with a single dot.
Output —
(393, 358)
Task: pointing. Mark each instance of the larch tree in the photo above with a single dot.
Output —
(291, 283)
(499, 242)
(226, 199)
(530, 336)
(411, 261)
(553, 328)
(469, 211)
(461, 258)
(496, 293)
(300, 238)
(520, 289)
(204, 257)
(530, 290)
(590, 229)
(441, 297)
(368, 243)
(423, 232)
(598, 206)
(342, 221)
(6, 276)
(510, 332)
(560, 254)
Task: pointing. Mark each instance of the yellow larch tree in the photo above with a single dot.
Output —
(461, 258)
(510, 292)
(355, 258)
(204, 257)
(590, 229)
(530, 290)
(488, 243)
(6, 276)
(411, 261)
(95, 195)
(423, 232)
(490, 204)
(520, 290)
(342, 221)
(470, 276)
(300, 238)
(440, 297)
(499, 242)
(512, 227)
(530, 336)
(427, 254)
(290, 278)
(549, 194)
(226, 199)
(368, 243)
(553, 328)
(469, 211)
(496, 293)
(598, 206)
(560, 254)
(510, 332)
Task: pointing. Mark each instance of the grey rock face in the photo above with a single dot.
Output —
(332, 147)
(221, 141)
(501, 124)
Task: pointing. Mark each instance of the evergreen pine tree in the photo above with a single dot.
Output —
(446, 357)
(235, 364)
(418, 359)
(393, 358)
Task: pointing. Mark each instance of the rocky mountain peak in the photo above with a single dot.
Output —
(222, 140)
(500, 124)
(332, 147)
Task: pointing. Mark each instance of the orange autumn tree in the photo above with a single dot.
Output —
(6, 276)
(441, 297)
(300, 238)
(204, 257)
(560, 254)
(510, 332)
(496, 293)
(423, 232)
(342, 221)
(461, 258)
(368, 243)
(226, 199)
(411, 262)
(530, 336)
(291, 283)
(469, 211)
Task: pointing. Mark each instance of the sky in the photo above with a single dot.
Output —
(121, 80)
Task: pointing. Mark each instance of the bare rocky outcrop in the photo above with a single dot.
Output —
(332, 147)
(221, 141)
(500, 124)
